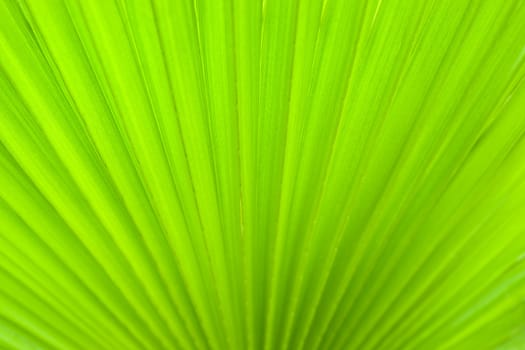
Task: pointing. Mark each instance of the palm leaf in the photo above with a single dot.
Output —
(284, 174)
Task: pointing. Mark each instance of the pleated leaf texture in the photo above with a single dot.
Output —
(275, 174)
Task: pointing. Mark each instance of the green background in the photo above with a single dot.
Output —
(275, 174)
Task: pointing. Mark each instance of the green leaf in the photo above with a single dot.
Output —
(276, 174)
